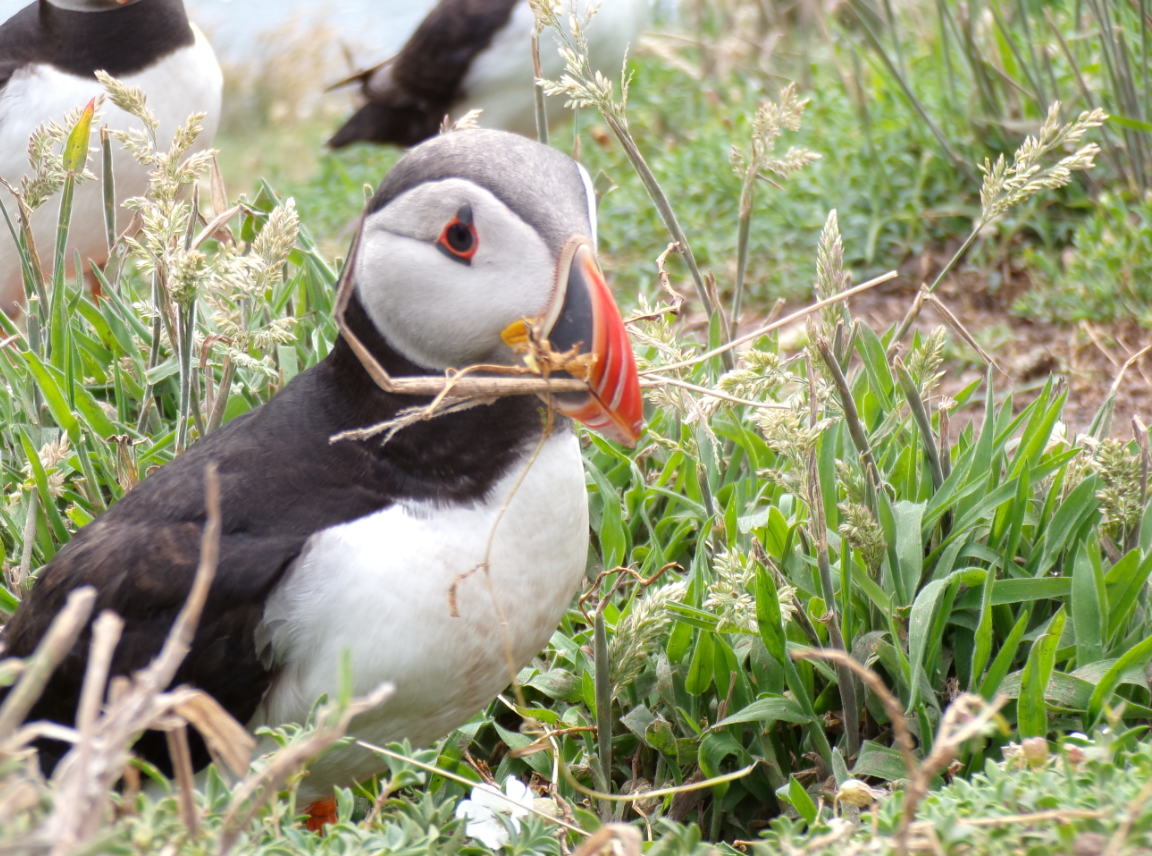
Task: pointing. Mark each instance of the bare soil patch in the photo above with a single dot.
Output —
(1088, 358)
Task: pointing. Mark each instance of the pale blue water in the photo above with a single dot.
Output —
(382, 25)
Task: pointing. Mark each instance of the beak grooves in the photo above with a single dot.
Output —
(589, 316)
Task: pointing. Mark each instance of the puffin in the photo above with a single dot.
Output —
(402, 555)
(475, 54)
(50, 52)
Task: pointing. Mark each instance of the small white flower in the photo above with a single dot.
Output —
(486, 805)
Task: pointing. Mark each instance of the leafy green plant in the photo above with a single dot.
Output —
(1109, 276)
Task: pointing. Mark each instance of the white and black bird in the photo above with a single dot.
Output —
(366, 548)
(50, 52)
(475, 54)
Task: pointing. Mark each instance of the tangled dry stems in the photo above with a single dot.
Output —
(82, 785)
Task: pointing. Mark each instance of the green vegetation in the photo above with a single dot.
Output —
(989, 570)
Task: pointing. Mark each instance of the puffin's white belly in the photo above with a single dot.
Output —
(381, 589)
(500, 79)
(185, 82)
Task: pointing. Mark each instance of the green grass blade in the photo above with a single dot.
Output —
(1032, 708)
(1089, 608)
(1004, 658)
(1123, 585)
(909, 549)
(1139, 654)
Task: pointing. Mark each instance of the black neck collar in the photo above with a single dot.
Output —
(121, 41)
(459, 455)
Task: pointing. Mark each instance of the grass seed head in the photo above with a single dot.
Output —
(1007, 186)
(640, 633)
(926, 360)
(732, 597)
(860, 529)
(1120, 496)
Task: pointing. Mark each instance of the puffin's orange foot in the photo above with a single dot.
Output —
(320, 813)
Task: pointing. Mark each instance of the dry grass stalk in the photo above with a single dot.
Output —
(967, 717)
(82, 785)
(85, 777)
(612, 839)
(665, 280)
(255, 791)
(774, 325)
(55, 645)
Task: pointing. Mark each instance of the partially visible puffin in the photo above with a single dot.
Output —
(470, 54)
(377, 549)
(49, 53)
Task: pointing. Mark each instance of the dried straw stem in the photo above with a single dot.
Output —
(286, 763)
(53, 648)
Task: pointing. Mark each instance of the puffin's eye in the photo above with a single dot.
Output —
(458, 241)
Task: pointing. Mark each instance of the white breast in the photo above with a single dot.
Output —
(500, 79)
(382, 589)
(186, 81)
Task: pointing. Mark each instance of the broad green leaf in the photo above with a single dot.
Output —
(879, 762)
(161, 371)
(75, 153)
(909, 549)
(775, 534)
(1074, 692)
(1071, 514)
(613, 540)
(768, 616)
(873, 591)
(1127, 122)
(839, 767)
(955, 488)
(919, 626)
(714, 748)
(1123, 585)
(1021, 591)
(768, 710)
(981, 453)
(1004, 657)
(1032, 710)
(1139, 654)
(978, 512)
(89, 408)
(800, 800)
(1134, 675)
(876, 366)
(1089, 608)
(8, 601)
(982, 638)
(700, 672)
(54, 397)
(1037, 431)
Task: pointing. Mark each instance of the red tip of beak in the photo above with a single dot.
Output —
(615, 408)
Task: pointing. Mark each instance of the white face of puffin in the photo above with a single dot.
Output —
(445, 267)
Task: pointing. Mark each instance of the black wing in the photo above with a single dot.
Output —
(409, 95)
(281, 481)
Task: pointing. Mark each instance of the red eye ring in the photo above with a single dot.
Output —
(459, 241)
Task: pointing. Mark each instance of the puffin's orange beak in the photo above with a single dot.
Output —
(588, 317)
